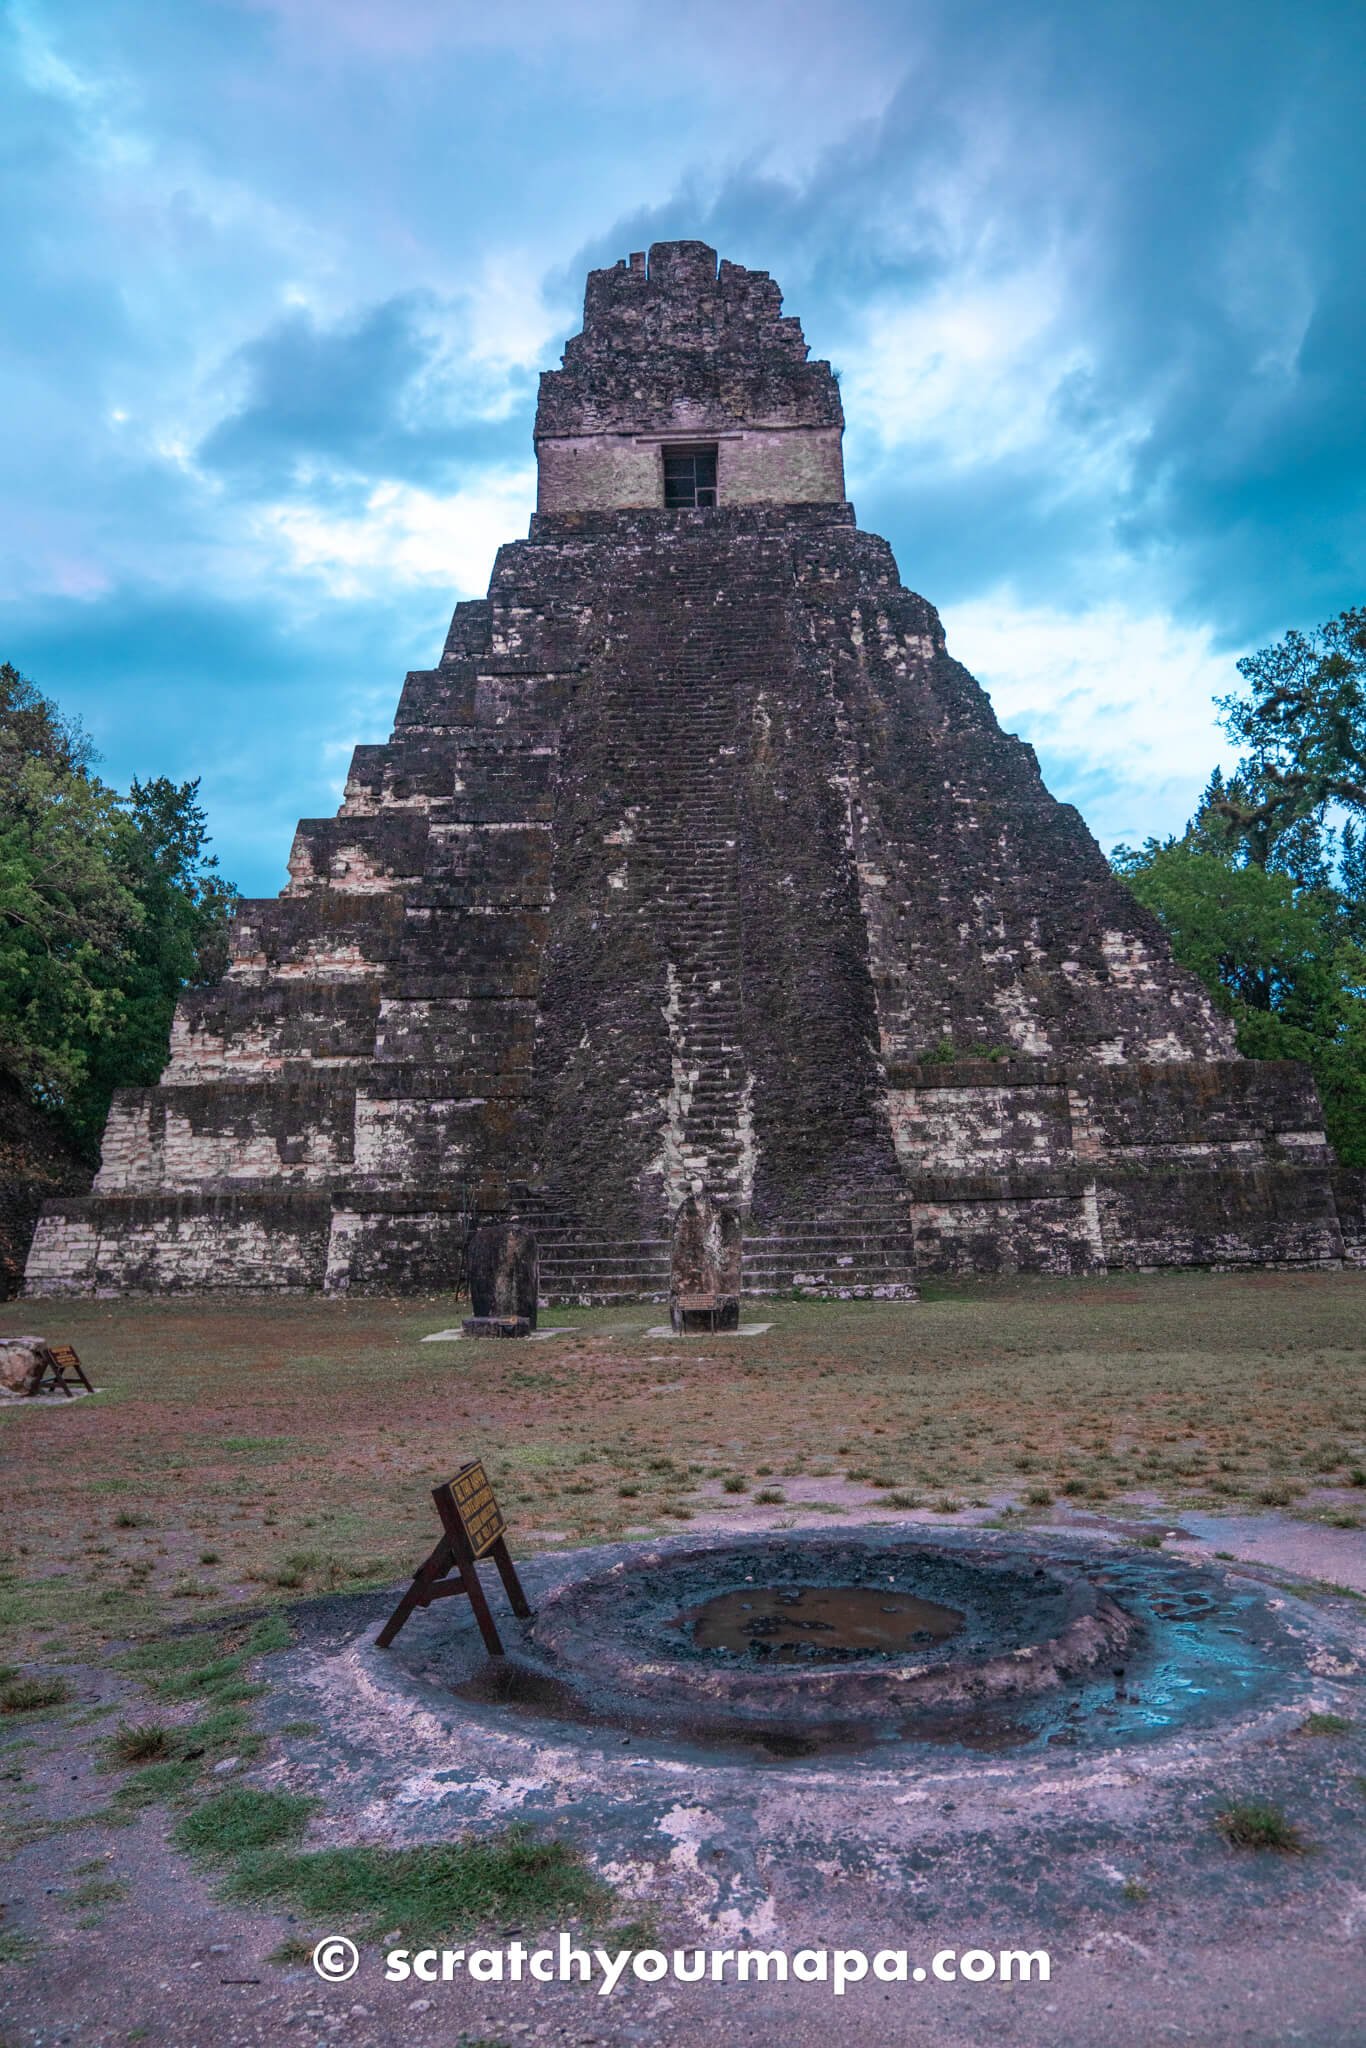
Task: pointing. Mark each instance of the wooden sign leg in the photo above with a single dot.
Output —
(512, 1585)
(483, 1614)
(435, 1567)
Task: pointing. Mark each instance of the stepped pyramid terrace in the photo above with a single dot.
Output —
(696, 857)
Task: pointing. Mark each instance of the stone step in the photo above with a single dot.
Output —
(605, 1295)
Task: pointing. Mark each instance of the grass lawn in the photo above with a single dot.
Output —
(253, 1451)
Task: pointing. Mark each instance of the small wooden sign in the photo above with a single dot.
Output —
(474, 1528)
(62, 1363)
(472, 1498)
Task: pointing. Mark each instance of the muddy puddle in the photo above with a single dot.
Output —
(809, 1624)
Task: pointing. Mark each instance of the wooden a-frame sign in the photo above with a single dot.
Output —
(474, 1528)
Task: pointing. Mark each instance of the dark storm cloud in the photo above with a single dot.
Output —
(272, 292)
(1201, 178)
(372, 395)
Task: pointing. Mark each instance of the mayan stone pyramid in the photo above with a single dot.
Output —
(696, 857)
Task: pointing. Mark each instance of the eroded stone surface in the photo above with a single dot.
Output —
(697, 856)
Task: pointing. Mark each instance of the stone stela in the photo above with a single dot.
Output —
(503, 1268)
(697, 856)
(474, 1528)
(705, 1269)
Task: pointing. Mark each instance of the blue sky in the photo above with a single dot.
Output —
(279, 276)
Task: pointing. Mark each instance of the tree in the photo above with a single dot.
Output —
(66, 914)
(33, 727)
(1264, 894)
(1282, 960)
(1302, 721)
(109, 906)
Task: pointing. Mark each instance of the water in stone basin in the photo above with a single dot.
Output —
(816, 1624)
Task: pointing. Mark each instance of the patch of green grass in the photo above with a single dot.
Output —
(29, 1695)
(160, 1784)
(211, 1668)
(220, 1680)
(427, 1893)
(1039, 1497)
(99, 1891)
(1135, 1892)
(241, 1821)
(301, 1728)
(291, 1952)
(144, 1742)
(225, 1728)
(1254, 1825)
(321, 1569)
(1151, 1539)
(904, 1500)
(16, 1947)
(770, 1496)
(258, 1450)
(1325, 1724)
(735, 1482)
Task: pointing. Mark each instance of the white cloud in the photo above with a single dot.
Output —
(961, 370)
(405, 536)
(1118, 704)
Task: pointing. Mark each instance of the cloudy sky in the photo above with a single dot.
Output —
(279, 276)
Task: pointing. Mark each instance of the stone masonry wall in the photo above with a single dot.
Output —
(675, 349)
(1021, 1164)
(606, 472)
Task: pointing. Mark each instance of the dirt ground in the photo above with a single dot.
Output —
(245, 1457)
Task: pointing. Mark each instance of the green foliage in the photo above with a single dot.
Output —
(946, 1053)
(1281, 959)
(1302, 722)
(146, 1742)
(1254, 1825)
(1264, 895)
(109, 906)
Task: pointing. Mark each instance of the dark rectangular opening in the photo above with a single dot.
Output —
(689, 477)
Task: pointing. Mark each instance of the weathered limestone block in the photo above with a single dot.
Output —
(297, 1128)
(397, 1241)
(504, 1274)
(984, 1232)
(979, 1129)
(704, 1271)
